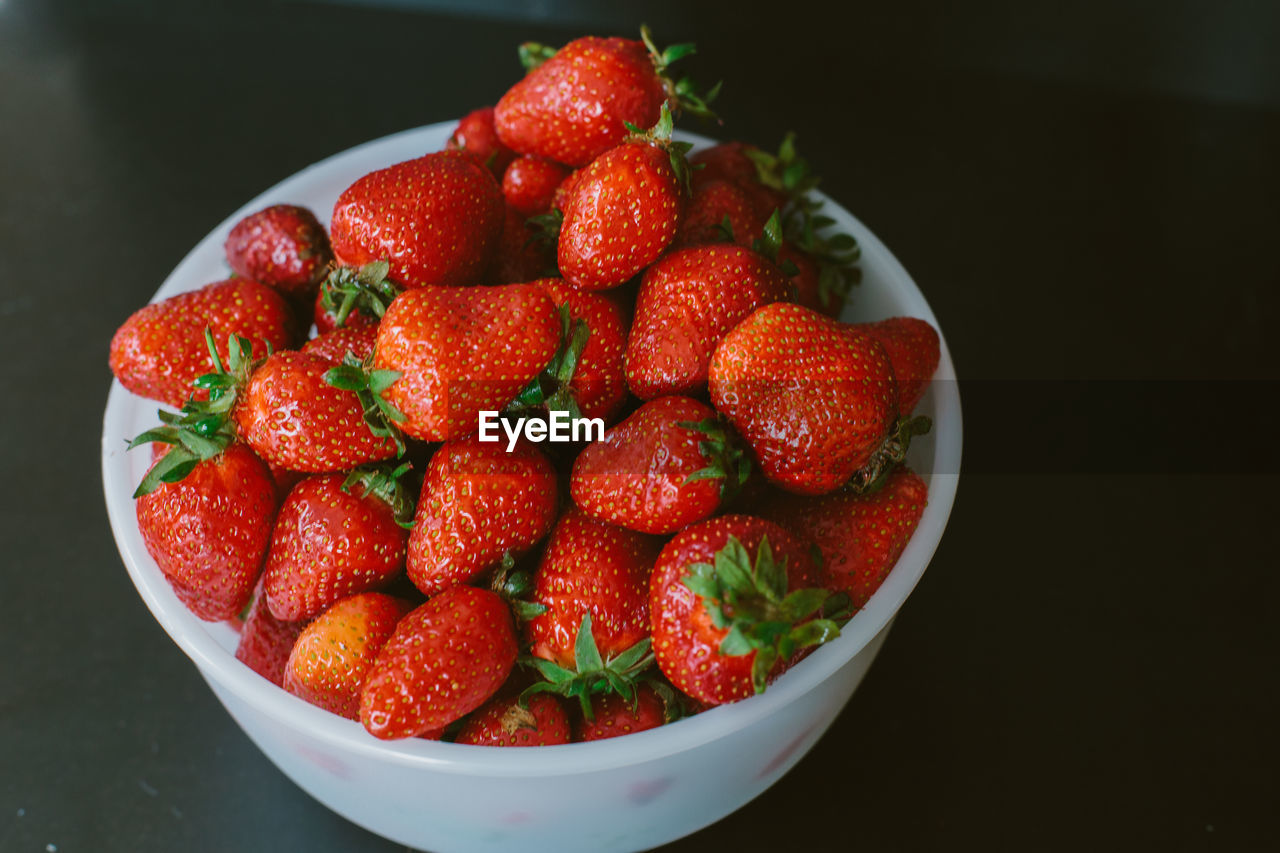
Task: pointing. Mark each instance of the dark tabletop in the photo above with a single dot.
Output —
(1090, 200)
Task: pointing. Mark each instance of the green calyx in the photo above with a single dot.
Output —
(683, 92)
(550, 390)
(204, 428)
(660, 136)
(592, 674)
(532, 54)
(891, 453)
(514, 586)
(751, 601)
(387, 483)
(380, 416)
(366, 290)
(727, 459)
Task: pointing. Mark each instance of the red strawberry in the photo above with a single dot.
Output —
(504, 722)
(913, 349)
(160, 350)
(805, 280)
(461, 351)
(525, 251)
(860, 537)
(613, 715)
(283, 246)
(712, 203)
(328, 663)
(662, 468)
(560, 200)
(284, 479)
(435, 219)
(443, 661)
(335, 535)
(209, 532)
(814, 399)
(597, 382)
(292, 417)
(265, 641)
(688, 301)
(478, 503)
(530, 183)
(731, 603)
(732, 162)
(624, 210)
(476, 137)
(352, 298)
(333, 346)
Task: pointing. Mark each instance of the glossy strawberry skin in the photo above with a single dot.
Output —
(711, 203)
(444, 660)
(503, 722)
(613, 715)
(860, 537)
(685, 641)
(282, 246)
(331, 657)
(637, 476)
(622, 213)
(436, 219)
(161, 349)
(328, 544)
(530, 182)
(729, 161)
(209, 532)
(914, 350)
(814, 398)
(598, 384)
(572, 108)
(688, 301)
(463, 350)
(292, 418)
(591, 567)
(266, 642)
(334, 345)
(476, 137)
(477, 503)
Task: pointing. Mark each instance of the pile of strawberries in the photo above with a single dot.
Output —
(333, 498)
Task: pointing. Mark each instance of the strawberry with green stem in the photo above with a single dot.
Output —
(612, 715)
(476, 137)
(354, 297)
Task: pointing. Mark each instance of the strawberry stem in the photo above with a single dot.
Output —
(592, 674)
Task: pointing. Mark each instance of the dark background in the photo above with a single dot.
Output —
(1088, 194)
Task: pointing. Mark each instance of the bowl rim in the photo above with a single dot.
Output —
(219, 665)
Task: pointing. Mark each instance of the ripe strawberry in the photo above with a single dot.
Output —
(595, 378)
(665, 466)
(525, 250)
(732, 162)
(503, 721)
(444, 660)
(860, 537)
(209, 532)
(530, 182)
(336, 535)
(435, 219)
(814, 399)
(688, 301)
(731, 604)
(805, 280)
(328, 663)
(463, 350)
(333, 346)
(913, 349)
(160, 349)
(711, 206)
(282, 246)
(575, 103)
(265, 641)
(624, 209)
(351, 297)
(476, 137)
(478, 503)
(612, 715)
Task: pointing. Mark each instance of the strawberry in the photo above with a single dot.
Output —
(463, 350)
(336, 535)
(913, 349)
(530, 182)
(444, 660)
(160, 349)
(333, 346)
(265, 641)
(731, 604)
(804, 279)
(435, 220)
(688, 301)
(576, 102)
(354, 297)
(209, 531)
(282, 246)
(718, 212)
(328, 663)
(478, 503)
(815, 399)
(860, 537)
(505, 722)
(664, 467)
(624, 209)
(612, 715)
(525, 250)
(476, 137)
(732, 162)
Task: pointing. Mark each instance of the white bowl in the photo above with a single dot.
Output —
(627, 793)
